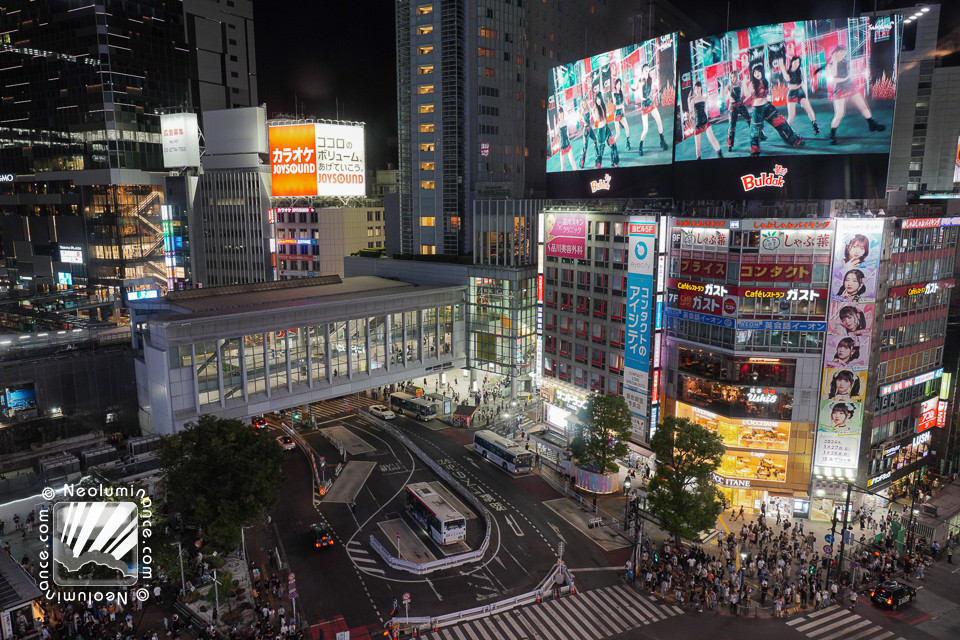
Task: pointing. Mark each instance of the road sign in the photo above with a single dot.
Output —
(828, 539)
(293, 594)
(828, 548)
(406, 598)
(398, 535)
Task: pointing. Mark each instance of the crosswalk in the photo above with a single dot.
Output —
(600, 613)
(507, 429)
(338, 407)
(362, 558)
(839, 623)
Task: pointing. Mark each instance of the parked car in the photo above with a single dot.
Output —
(382, 411)
(287, 443)
(892, 594)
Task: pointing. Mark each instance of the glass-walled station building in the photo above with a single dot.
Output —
(243, 350)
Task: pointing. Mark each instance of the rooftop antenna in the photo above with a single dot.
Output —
(728, 15)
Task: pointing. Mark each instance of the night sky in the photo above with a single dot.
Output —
(337, 58)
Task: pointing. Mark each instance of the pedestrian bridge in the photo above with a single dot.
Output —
(242, 350)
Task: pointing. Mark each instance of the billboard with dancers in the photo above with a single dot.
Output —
(614, 109)
(795, 88)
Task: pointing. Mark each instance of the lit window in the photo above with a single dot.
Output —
(426, 108)
(486, 52)
(426, 166)
(427, 222)
(424, 69)
(427, 184)
(455, 222)
(490, 73)
(425, 29)
(426, 49)
(487, 33)
(426, 127)
(425, 89)
(427, 146)
(424, 9)
(427, 249)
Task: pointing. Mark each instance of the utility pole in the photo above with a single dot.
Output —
(843, 530)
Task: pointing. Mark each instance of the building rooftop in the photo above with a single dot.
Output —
(16, 587)
(250, 298)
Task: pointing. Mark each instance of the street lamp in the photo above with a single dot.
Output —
(183, 582)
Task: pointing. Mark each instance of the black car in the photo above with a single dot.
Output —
(321, 536)
(892, 594)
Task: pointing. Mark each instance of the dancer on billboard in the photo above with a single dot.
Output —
(566, 151)
(620, 104)
(588, 133)
(736, 109)
(643, 88)
(602, 130)
(764, 110)
(797, 95)
(844, 88)
(697, 104)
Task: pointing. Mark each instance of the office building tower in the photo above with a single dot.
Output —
(472, 81)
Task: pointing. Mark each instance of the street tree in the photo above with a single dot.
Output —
(682, 494)
(602, 432)
(222, 475)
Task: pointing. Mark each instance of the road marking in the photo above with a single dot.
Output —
(816, 623)
(854, 627)
(473, 462)
(371, 560)
(831, 627)
(612, 616)
(556, 530)
(513, 525)
(434, 589)
(379, 572)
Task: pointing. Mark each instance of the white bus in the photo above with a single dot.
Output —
(413, 407)
(441, 521)
(506, 453)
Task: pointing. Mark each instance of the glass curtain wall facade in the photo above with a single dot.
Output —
(503, 328)
(232, 370)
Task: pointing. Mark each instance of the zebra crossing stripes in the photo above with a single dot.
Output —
(589, 615)
(362, 558)
(839, 623)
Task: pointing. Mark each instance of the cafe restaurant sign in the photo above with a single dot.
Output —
(741, 483)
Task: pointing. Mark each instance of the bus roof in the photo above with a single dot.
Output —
(434, 502)
(497, 439)
(401, 395)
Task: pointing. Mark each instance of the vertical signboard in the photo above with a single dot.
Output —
(853, 294)
(180, 136)
(640, 299)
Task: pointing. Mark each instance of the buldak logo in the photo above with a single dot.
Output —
(101, 533)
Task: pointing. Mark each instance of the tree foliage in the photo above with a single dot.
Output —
(602, 432)
(682, 494)
(222, 475)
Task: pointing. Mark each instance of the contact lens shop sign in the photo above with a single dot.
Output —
(640, 296)
(853, 294)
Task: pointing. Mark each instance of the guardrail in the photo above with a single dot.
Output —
(558, 582)
(307, 451)
(449, 561)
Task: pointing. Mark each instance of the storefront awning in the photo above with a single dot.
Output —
(640, 450)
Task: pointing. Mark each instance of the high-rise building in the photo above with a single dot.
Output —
(85, 85)
(472, 82)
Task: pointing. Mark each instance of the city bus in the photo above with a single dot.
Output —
(442, 522)
(499, 450)
(413, 407)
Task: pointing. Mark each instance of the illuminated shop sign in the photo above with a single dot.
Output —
(702, 224)
(942, 414)
(880, 478)
(741, 483)
(602, 184)
(71, 253)
(929, 223)
(294, 209)
(909, 382)
(148, 294)
(777, 325)
(922, 289)
(6, 177)
(568, 400)
(761, 396)
(778, 224)
(774, 179)
(928, 414)
(891, 451)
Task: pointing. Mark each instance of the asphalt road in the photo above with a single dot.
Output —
(349, 579)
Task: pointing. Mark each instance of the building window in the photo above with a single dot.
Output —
(427, 146)
(426, 108)
(489, 72)
(424, 69)
(425, 50)
(427, 249)
(427, 166)
(425, 29)
(427, 184)
(487, 33)
(455, 222)
(424, 9)
(427, 221)
(425, 89)
(426, 127)
(486, 52)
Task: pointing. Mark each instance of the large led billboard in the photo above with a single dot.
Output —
(611, 112)
(794, 109)
(317, 159)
